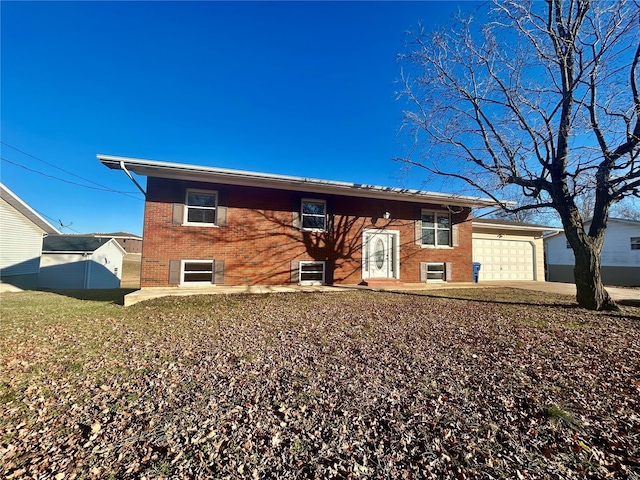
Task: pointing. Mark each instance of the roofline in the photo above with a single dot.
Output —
(536, 228)
(88, 251)
(180, 171)
(29, 212)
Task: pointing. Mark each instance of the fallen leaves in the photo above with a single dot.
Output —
(349, 385)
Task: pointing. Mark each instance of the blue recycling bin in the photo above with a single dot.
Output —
(476, 271)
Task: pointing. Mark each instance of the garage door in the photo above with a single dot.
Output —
(503, 259)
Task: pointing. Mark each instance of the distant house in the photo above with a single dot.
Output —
(130, 242)
(80, 262)
(509, 250)
(620, 258)
(214, 226)
(21, 233)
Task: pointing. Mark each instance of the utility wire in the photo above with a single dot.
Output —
(104, 187)
(57, 221)
(101, 188)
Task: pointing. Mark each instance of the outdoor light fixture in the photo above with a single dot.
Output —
(387, 215)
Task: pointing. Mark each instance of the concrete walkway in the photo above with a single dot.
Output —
(627, 295)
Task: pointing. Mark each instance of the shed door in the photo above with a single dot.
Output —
(504, 259)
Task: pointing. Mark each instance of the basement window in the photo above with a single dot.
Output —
(435, 272)
(312, 273)
(197, 272)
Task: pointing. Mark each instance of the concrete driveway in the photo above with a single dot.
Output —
(618, 294)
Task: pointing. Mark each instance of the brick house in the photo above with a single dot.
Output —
(213, 226)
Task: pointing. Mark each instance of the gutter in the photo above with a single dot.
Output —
(154, 168)
(123, 168)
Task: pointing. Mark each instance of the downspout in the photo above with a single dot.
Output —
(124, 169)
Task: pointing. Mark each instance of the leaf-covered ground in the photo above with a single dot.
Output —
(328, 385)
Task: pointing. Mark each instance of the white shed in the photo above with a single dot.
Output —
(21, 232)
(80, 262)
(508, 250)
(620, 257)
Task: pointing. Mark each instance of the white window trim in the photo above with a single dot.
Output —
(312, 282)
(185, 218)
(435, 213)
(302, 214)
(190, 284)
(444, 272)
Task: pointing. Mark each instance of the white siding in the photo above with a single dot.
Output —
(63, 271)
(20, 242)
(616, 250)
(105, 270)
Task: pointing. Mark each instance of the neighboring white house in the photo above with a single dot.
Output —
(21, 232)
(620, 258)
(509, 250)
(79, 262)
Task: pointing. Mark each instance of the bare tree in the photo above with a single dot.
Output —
(541, 97)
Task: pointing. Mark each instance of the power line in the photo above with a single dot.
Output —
(58, 221)
(103, 187)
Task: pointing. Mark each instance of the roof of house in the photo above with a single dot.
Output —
(74, 243)
(153, 168)
(511, 225)
(19, 204)
(126, 235)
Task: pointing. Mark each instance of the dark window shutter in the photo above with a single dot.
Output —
(454, 235)
(221, 220)
(178, 213)
(218, 275)
(448, 271)
(423, 271)
(330, 214)
(174, 272)
(418, 226)
(221, 214)
(295, 271)
(295, 218)
(329, 266)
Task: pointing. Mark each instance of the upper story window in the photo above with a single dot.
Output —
(314, 215)
(635, 243)
(436, 228)
(200, 207)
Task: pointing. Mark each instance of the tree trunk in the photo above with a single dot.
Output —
(590, 292)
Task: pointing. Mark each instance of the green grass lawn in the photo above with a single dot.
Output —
(463, 383)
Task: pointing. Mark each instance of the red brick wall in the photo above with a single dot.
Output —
(258, 243)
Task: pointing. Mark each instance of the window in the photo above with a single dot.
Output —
(200, 207)
(568, 244)
(197, 272)
(311, 273)
(435, 272)
(314, 215)
(436, 229)
(635, 243)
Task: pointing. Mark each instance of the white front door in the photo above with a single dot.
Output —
(379, 258)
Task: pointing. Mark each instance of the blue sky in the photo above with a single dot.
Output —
(297, 88)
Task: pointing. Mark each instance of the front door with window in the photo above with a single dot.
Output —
(380, 257)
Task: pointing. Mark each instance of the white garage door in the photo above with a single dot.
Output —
(503, 259)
